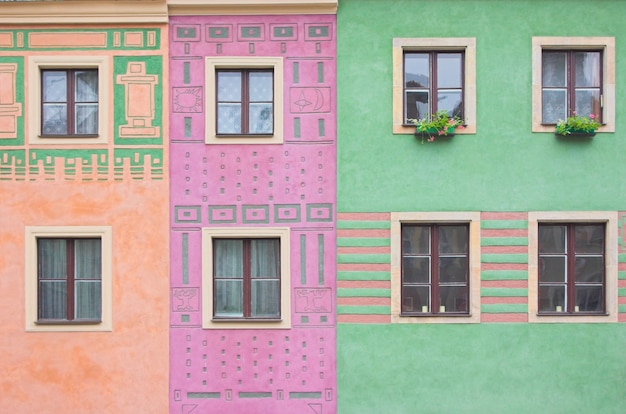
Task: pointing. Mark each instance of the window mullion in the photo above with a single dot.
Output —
(245, 101)
(71, 102)
(434, 269)
(571, 84)
(433, 90)
(571, 266)
(247, 267)
(71, 277)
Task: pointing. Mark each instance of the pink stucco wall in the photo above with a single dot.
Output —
(280, 185)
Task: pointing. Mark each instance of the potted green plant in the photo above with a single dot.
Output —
(438, 125)
(577, 125)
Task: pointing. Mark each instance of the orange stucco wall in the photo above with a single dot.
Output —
(123, 371)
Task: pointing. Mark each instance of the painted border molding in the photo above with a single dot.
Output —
(214, 7)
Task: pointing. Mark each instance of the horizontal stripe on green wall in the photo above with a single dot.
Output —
(504, 258)
(504, 241)
(622, 308)
(360, 242)
(344, 275)
(353, 224)
(363, 258)
(504, 308)
(504, 292)
(621, 258)
(363, 310)
(503, 275)
(504, 224)
(363, 292)
(621, 291)
(621, 275)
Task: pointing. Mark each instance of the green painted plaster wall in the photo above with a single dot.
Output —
(486, 368)
(504, 167)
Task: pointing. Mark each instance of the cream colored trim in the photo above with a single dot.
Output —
(608, 217)
(32, 233)
(468, 44)
(36, 63)
(213, 63)
(283, 233)
(85, 11)
(206, 7)
(397, 219)
(606, 44)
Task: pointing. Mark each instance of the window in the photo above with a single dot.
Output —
(244, 100)
(573, 75)
(246, 278)
(69, 102)
(69, 99)
(246, 281)
(433, 81)
(572, 269)
(431, 74)
(435, 267)
(68, 278)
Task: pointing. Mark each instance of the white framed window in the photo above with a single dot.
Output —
(573, 74)
(69, 99)
(417, 64)
(244, 98)
(435, 267)
(246, 278)
(572, 266)
(68, 279)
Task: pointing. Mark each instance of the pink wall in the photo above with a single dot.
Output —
(268, 371)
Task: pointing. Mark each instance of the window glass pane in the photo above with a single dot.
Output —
(416, 269)
(550, 297)
(265, 257)
(86, 119)
(452, 269)
(52, 258)
(587, 66)
(261, 118)
(228, 258)
(589, 269)
(554, 105)
(265, 298)
(589, 239)
(228, 118)
(261, 87)
(451, 101)
(552, 269)
(88, 258)
(86, 86)
(416, 299)
(416, 240)
(417, 105)
(449, 73)
(88, 299)
(589, 298)
(53, 299)
(453, 298)
(54, 86)
(416, 70)
(54, 119)
(228, 298)
(588, 102)
(552, 239)
(229, 86)
(452, 239)
(554, 69)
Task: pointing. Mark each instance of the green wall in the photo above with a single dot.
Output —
(504, 167)
(486, 368)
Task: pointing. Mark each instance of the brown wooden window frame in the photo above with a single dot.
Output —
(70, 102)
(570, 281)
(570, 84)
(70, 280)
(247, 280)
(434, 283)
(244, 101)
(433, 88)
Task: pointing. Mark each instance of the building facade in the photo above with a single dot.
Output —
(485, 271)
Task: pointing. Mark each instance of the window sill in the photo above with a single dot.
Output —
(573, 314)
(435, 315)
(245, 320)
(64, 322)
(68, 136)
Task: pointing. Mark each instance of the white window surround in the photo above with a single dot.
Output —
(606, 45)
(282, 233)
(608, 217)
(467, 44)
(212, 64)
(471, 218)
(105, 105)
(31, 282)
